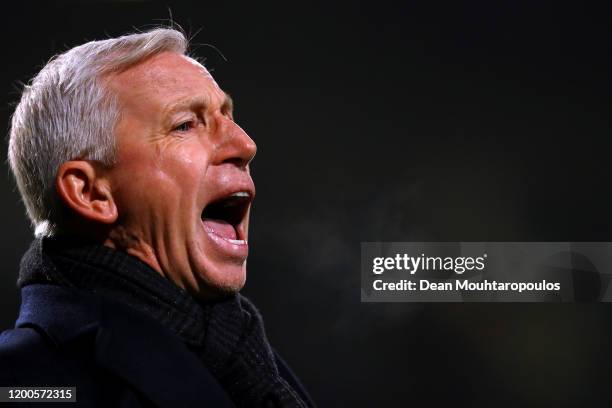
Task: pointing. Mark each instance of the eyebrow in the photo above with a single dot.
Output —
(199, 103)
(228, 104)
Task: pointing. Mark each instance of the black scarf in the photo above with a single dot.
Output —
(227, 335)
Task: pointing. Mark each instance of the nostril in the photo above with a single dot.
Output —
(237, 161)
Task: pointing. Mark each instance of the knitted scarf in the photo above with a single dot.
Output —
(227, 335)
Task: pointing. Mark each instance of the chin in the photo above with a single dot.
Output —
(220, 280)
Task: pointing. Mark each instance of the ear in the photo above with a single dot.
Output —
(83, 188)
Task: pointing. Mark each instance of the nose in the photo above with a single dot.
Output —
(235, 146)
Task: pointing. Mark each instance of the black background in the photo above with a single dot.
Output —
(383, 121)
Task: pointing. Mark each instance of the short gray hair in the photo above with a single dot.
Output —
(67, 113)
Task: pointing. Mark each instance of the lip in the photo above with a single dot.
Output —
(226, 248)
(245, 184)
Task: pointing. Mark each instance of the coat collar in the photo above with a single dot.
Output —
(127, 342)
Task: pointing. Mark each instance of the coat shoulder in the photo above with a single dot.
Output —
(21, 350)
(28, 357)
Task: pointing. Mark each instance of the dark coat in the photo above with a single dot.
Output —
(114, 355)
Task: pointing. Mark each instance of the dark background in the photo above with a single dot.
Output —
(382, 121)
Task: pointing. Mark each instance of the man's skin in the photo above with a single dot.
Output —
(178, 150)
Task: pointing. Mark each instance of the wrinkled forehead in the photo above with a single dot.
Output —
(203, 70)
(197, 65)
(166, 75)
(170, 66)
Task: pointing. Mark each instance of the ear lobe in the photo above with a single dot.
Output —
(83, 189)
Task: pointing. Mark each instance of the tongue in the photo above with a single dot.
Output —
(219, 227)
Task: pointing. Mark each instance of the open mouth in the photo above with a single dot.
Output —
(224, 217)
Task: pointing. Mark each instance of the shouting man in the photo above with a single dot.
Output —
(136, 179)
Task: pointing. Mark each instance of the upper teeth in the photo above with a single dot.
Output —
(240, 194)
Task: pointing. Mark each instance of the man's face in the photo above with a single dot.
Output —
(181, 183)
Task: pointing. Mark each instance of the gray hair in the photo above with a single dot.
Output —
(67, 113)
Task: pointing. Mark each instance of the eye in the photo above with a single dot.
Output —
(183, 127)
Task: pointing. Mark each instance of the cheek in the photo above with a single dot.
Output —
(171, 176)
(182, 172)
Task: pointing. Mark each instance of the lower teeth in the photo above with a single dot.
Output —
(237, 241)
